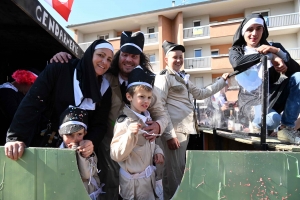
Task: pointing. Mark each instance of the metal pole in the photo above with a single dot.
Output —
(264, 107)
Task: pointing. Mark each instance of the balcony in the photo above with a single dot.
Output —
(199, 62)
(195, 32)
(228, 28)
(155, 66)
(151, 38)
(282, 20)
(219, 62)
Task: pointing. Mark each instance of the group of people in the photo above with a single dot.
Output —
(113, 109)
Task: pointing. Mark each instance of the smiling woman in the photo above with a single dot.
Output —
(101, 60)
(78, 83)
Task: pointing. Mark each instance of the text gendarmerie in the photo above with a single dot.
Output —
(55, 29)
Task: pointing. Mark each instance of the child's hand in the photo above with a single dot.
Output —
(158, 158)
(134, 127)
(86, 148)
(225, 76)
(72, 145)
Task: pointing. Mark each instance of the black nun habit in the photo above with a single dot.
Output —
(53, 92)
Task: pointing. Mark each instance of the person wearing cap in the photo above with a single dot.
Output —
(177, 93)
(76, 83)
(11, 95)
(129, 147)
(72, 128)
(249, 46)
(125, 60)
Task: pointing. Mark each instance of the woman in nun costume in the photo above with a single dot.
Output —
(77, 83)
(249, 46)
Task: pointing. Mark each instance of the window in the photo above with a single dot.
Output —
(197, 23)
(152, 58)
(104, 37)
(215, 52)
(151, 31)
(197, 53)
(265, 14)
(199, 82)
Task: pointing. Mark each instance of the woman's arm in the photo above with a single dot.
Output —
(28, 114)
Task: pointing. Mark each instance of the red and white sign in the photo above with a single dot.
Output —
(63, 7)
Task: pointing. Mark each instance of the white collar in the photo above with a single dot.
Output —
(181, 74)
(146, 117)
(121, 80)
(9, 85)
(249, 50)
(87, 103)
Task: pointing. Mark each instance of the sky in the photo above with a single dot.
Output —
(94, 10)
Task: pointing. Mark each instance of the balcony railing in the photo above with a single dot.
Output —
(199, 62)
(155, 66)
(151, 38)
(199, 31)
(282, 20)
(294, 53)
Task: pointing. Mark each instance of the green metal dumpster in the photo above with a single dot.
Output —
(240, 175)
(52, 174)
(41, 174)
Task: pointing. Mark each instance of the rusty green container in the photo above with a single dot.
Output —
(52, 174)
(240, 175)
(41, 174)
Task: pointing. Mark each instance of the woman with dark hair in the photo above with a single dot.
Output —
(249, 46)
(78, 83)
(11, 95)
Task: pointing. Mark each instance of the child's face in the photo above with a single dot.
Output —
(140, 100)
(74, 138)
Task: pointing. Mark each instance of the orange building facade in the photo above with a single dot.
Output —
(206, 30)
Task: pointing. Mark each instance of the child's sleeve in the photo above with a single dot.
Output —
(123, 141)
(158, 150)
(87, 166)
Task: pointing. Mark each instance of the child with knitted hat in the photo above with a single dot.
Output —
(73, 127)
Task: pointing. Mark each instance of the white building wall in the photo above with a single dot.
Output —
(151, 52)
(93, 36)
(189, 50)
(207, 78)
(144, 28)
(79, 37)
(274, 9)
(298, 39)
(296, 2)
(188, 22)
(288, 41)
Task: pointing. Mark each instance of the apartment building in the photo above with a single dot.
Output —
(206, 30)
